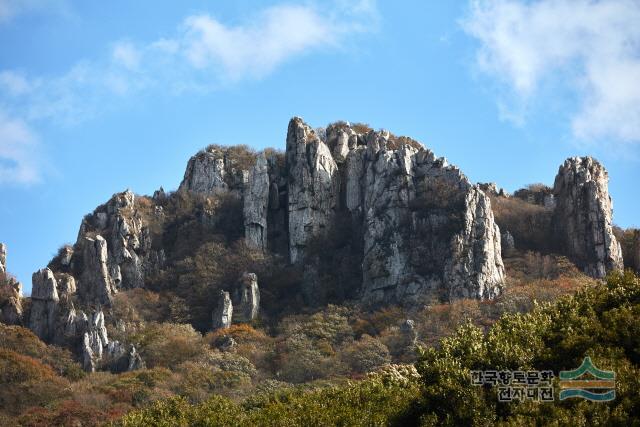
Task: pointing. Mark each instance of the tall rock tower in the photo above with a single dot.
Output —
(582, 217)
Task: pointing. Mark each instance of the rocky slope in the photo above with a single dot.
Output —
(413, 227)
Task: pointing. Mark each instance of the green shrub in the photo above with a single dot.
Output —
(600, 322)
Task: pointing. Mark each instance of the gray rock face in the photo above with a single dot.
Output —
(213, 170)
(256, 203)
(3, 258)
(223, 313)
(475, 269)
(583, 216)
(66, 284)
(44, 304)
(313, 186)
(205, 173)
(94, 342)
(115, 237)
(99, 352)
(11, 312)
(427, 230)
(248, 298)
(96, 284)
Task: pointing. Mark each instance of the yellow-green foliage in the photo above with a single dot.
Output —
(602, 322)
(367, 403)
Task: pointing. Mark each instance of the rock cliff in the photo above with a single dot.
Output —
(583, 216)
(413, 229)
(427, 231)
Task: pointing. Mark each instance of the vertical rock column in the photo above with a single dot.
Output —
(3, 258)
(313, 186)
(95, 284)
(256, 203)
(248, 298)
(583, 216)
(223, 313)
(44, 304)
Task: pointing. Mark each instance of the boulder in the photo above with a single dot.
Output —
(583, 216)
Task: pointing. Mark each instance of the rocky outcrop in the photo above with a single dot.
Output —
(248, 299)
(3, 258)
(492, 189)
(44, 304)
(66, 284)
(312, 187)
(427, 231)
(205, 173)
(96, 284)
(223, 313)
(475, 269)
(115, 249)
(99, 352)
(508, 242)
(583, 216)
(216, 169)
(11, 311)
(406, 207)
(256, 203)
(94, 341)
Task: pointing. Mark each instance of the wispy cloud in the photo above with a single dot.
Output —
(589, 48)
(278, 34)
(18, 152)
(9, 9)
(201, 55)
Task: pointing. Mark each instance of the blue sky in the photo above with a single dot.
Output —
(97, 97)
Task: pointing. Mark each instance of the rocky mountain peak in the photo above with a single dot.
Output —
(351, 212)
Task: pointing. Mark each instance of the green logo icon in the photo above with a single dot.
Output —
(588, 382)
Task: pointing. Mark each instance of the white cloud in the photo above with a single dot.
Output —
(126, 54)
(14, 83)
(18, 152)
(256, 49)
(201, 55)
(590, 47)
